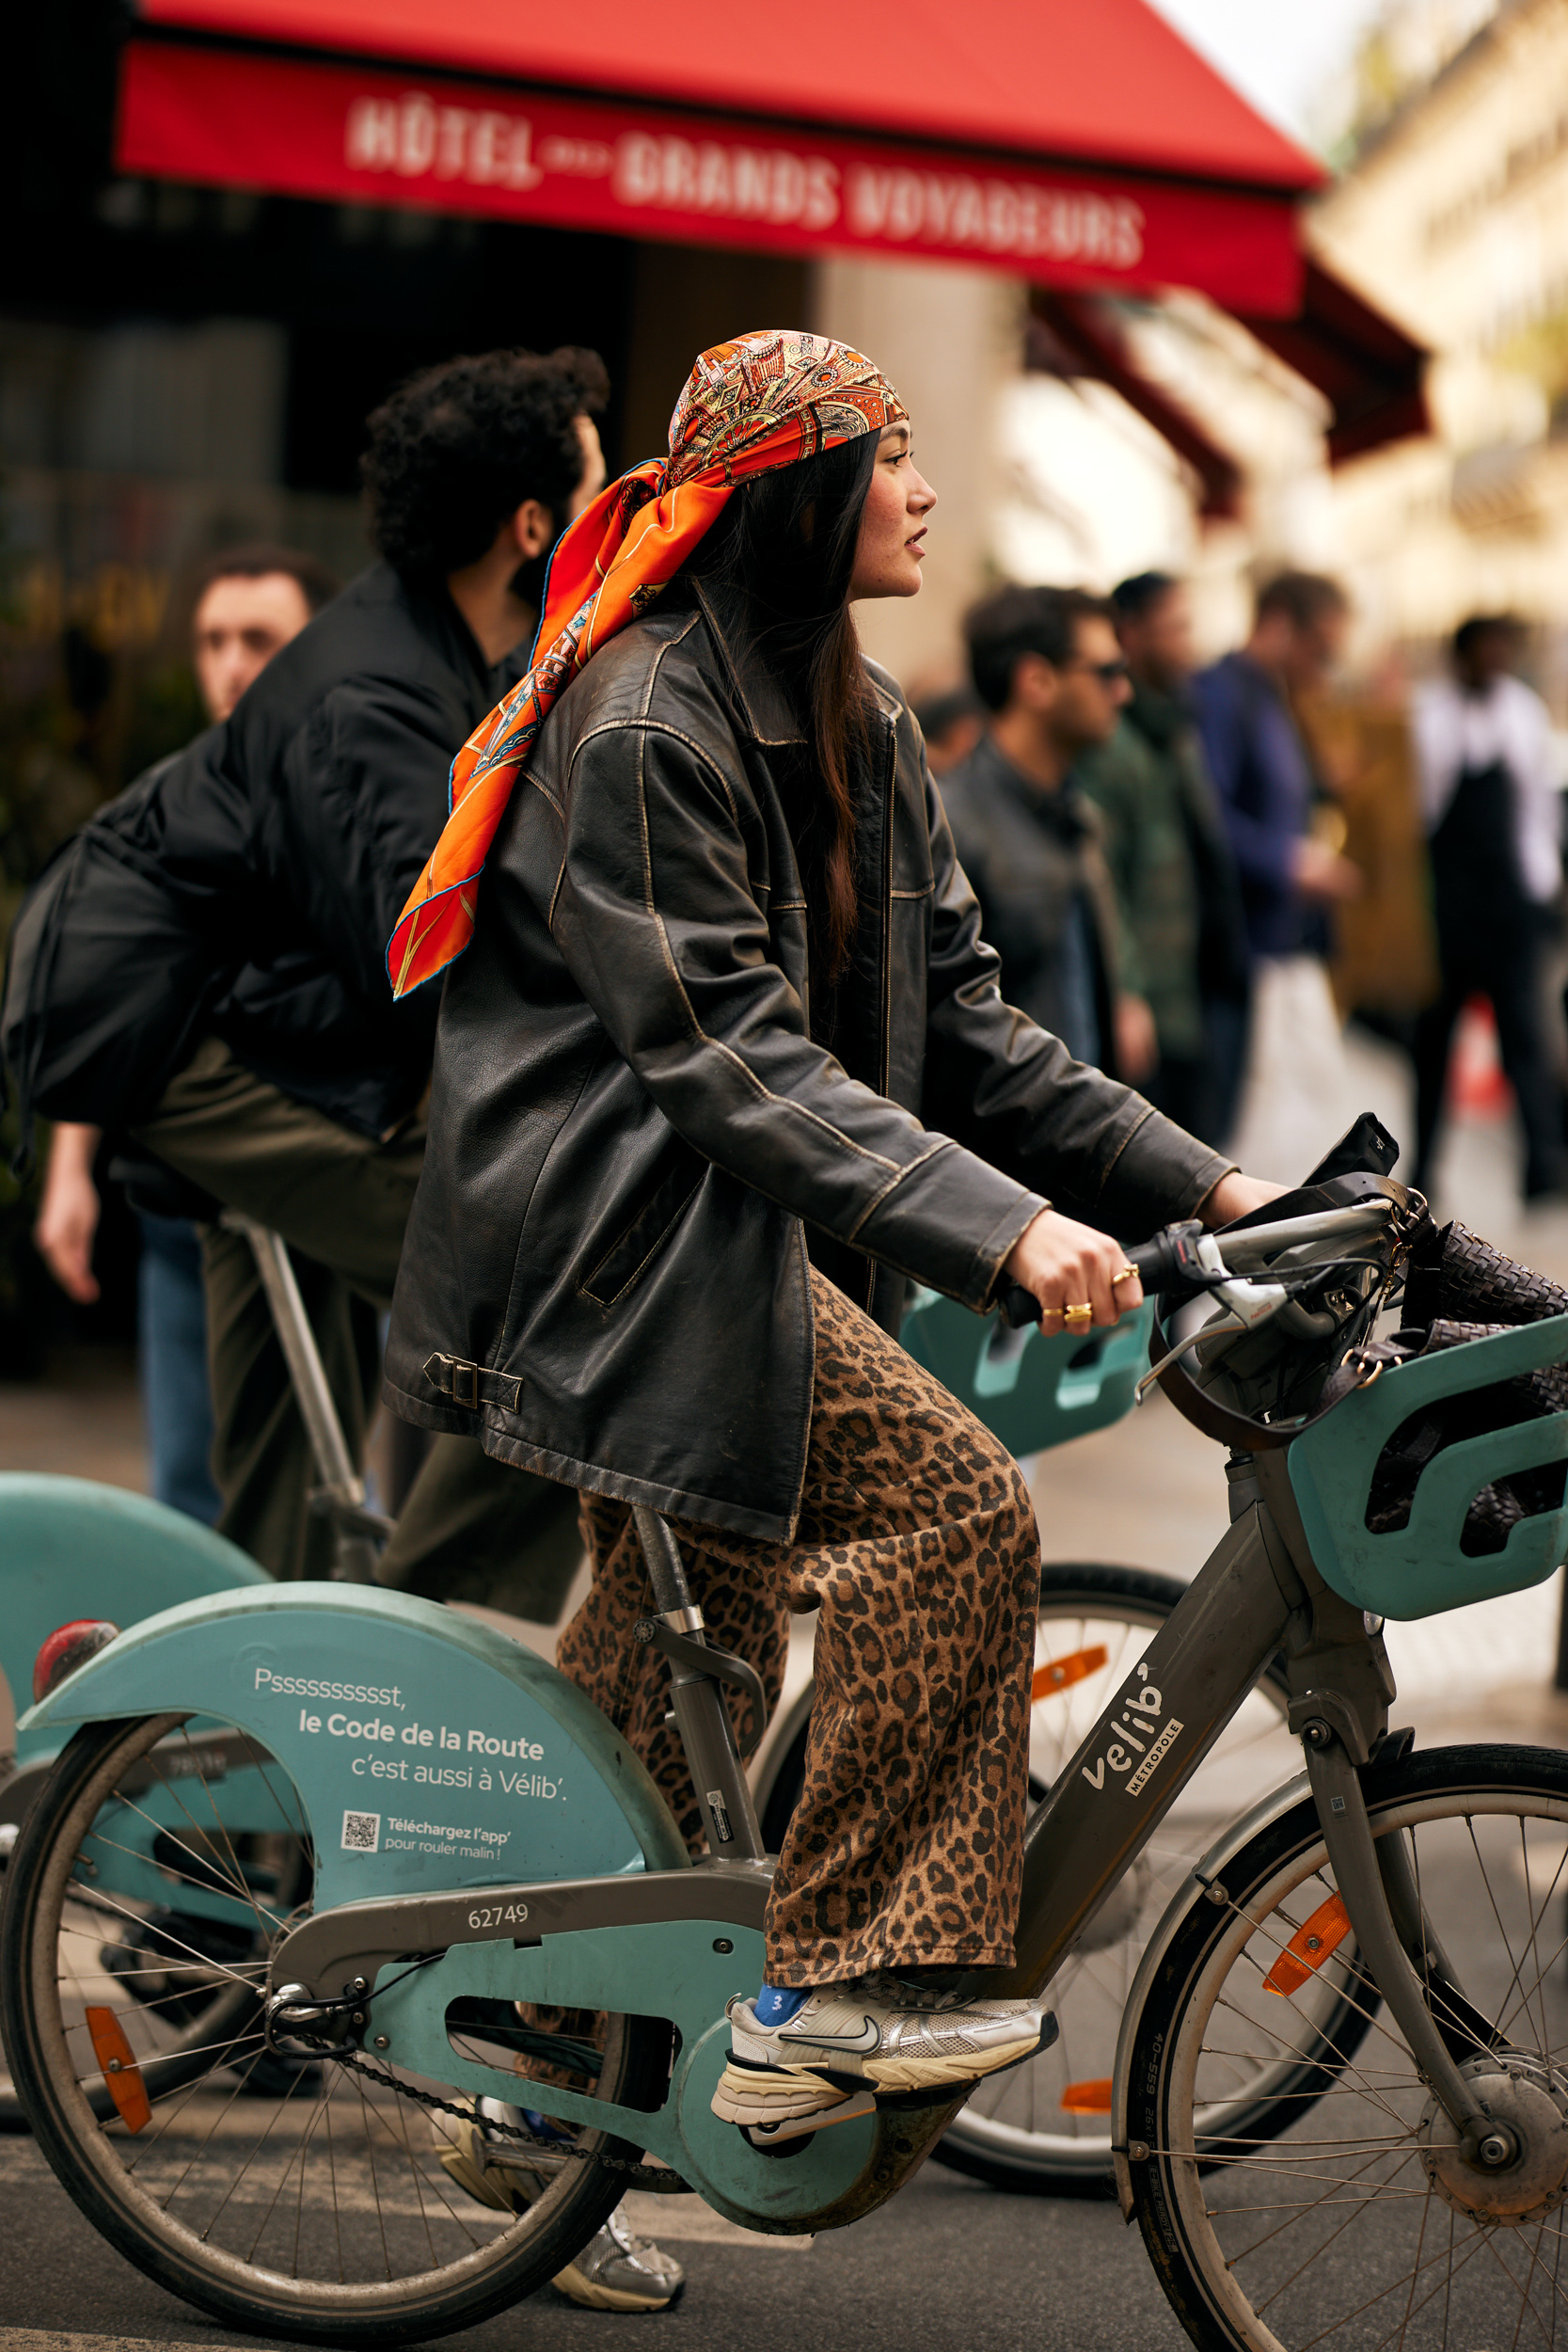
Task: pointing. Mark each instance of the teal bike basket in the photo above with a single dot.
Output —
(1418, 1570)
(1029, 1391)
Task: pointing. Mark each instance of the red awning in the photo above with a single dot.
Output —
(1072, 336)
(1071, 145)
(1104, 80)
(1368, 369)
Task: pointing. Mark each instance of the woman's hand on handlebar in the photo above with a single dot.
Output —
(1237, 1196)
(1063, 1265)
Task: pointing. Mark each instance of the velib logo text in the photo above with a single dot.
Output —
(1142, 1743)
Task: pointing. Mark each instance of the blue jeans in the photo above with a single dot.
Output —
(172, 1345)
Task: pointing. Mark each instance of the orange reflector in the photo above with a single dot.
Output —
(1058, 1672)
(1309, 1946)
(120, 2072)
(1087, 2098)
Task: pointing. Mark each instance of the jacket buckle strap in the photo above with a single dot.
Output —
(470, 1384)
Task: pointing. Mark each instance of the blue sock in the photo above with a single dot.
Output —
(776, 2006)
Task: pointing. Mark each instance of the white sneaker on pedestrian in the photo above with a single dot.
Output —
(614, 2271)
(879, 2036)
(617, 2272)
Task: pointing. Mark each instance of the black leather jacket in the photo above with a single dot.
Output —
(633, 1142)
(299, 829)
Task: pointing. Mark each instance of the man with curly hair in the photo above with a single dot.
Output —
(304, 820)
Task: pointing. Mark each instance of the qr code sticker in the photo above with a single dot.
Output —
(362, 1833)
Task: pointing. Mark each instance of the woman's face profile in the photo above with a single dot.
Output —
(888, 552)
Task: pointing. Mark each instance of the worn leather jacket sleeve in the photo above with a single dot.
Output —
(657, 918)
(1014, 1094)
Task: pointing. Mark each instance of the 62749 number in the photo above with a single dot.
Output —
(499, 1916)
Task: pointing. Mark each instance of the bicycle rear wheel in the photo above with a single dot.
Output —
(302, 2200)
(1359, 2225)
(176, 1971)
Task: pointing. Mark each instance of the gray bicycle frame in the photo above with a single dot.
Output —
(1258, 1593)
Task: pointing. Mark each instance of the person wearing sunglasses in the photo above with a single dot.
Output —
(1053, 678)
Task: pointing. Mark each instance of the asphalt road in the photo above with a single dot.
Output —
(949, 2263)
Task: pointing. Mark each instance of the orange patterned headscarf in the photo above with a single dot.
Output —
(764, 401)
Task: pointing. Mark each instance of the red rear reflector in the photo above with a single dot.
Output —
(120, 2072)
(1087, 2098)
(68, 1647)
(1058, 1672)
(1309, 1946)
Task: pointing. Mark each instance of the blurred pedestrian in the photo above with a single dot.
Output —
(1185, 948)
(1493, 809)
(249, 602)
(272, 858)
(1290, 874)
(1052, 679)
(951, 724)
(1384, 966)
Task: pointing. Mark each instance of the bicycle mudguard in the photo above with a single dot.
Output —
(428, 1750)
(433, 1756)
(69, 1548)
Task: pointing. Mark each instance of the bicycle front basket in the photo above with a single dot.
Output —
(1424, 1567)
(1029, 1391)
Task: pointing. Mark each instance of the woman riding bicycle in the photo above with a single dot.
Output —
(724, 1065)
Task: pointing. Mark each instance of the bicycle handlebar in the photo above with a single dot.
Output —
(1172, 1258)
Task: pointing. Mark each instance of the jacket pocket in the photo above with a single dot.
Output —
(627, 1258)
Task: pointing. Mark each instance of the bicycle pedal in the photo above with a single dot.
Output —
(766, 2136)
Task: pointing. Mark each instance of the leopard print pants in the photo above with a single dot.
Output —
(917, 1542)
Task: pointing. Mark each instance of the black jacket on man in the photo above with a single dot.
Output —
(1035, 861)
(293, 833)
(635, 1144)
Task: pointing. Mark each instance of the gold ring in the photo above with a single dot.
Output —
(1083, 1314)
(1124, 1274)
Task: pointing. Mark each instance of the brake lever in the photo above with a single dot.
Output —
(1249, 1303)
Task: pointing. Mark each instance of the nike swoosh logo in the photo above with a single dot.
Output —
(868, 2040)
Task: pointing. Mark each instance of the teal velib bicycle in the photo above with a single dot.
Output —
(1340, 2110)
(106, 1554)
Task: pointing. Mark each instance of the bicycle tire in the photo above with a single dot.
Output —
(1310, 2238)
(87, 2154)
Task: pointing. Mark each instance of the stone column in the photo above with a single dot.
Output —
(950, 340)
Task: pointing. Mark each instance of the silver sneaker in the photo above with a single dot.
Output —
(879, 2035)
(614, 2272)
(617, 2272)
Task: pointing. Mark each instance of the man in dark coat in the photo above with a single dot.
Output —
(1291, 878)
(298, 828)
(1047, 667)
(1185, 939)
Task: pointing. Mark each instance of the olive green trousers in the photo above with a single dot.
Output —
(470, 1529)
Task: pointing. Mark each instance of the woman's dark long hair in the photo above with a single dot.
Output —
(785, 548)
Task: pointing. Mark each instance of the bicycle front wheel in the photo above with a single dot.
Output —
(317, 2201)
(1359, 2225)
